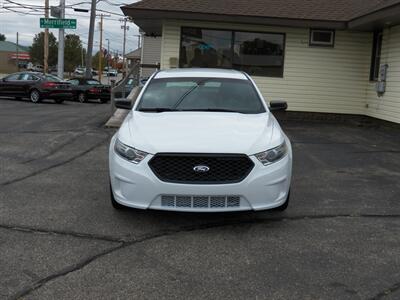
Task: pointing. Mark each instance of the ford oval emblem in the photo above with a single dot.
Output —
(201, 169)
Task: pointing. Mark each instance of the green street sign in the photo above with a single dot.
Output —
(58, 23)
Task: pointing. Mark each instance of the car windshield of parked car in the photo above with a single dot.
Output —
(93, 82)
(52, 78)
(201, 94)
(130, 82)
(12, 77)
(74, 81)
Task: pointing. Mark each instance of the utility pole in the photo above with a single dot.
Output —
(17, 52)
(60, 64)
(108, 61)
(101, 47)
(46, 39)
(125, 28)
(88, 73)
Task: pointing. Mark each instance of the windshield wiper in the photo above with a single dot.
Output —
(157, 109)
(213, 109)
(188, 92)
(166, 109)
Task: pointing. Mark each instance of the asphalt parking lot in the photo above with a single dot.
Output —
(61, 239)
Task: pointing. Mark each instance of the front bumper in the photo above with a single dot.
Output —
(101, 96)
(136, 186)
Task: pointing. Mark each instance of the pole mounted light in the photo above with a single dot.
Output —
(108, 61)
(61, 44)
(88, 73)
(81, 10)
(125, 28)
(46, 40)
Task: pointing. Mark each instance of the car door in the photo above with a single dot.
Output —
(75, 86)
(3, 84)
(27, 81)
(10, 86)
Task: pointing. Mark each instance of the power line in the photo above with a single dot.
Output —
(114, 4)
(38, 8)
(84, 16)
(21, 13)
(26, 7)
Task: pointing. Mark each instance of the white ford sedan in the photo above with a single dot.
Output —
(200, 140)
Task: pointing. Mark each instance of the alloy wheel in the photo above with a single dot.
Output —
(81, 98)
(35, 96)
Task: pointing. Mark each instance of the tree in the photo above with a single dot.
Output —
(2, 37)
(95, 60)
(73, 52)
(37, 49)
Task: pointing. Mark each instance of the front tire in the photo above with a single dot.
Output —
(114, 203)
(59, 101)
(103, 101)
(82, 97)
(34, 96)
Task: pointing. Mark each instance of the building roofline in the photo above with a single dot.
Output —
(142, 15)
(383, 17)
(6, 44)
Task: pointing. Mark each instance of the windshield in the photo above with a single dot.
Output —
(201, 94)
(93, 82)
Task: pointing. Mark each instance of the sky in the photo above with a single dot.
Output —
(26, 23)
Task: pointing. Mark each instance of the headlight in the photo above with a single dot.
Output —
(272, 155)
(129, 153)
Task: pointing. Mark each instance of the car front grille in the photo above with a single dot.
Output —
(200, 202)
(180, 168)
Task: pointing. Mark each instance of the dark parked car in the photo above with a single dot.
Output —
(85, 89)
(112, 73)
(36, 86)
(130, 84)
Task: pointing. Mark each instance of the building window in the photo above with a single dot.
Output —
(259, 54)
(376, 56)
(203, 48)
(322, 37)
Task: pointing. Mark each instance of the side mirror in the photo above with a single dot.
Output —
(278, 106)
(143, 81)
(123, 103)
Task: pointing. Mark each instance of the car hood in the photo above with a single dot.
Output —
(200, 132)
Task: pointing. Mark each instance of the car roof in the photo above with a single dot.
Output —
(82, 79)
(27, 72)
(201, 72)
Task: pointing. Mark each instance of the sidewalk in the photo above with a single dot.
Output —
(119, 115)
(117, 118)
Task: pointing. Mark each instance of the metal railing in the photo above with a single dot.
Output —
(134, 73)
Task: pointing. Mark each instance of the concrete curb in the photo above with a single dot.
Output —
(119, 115)
(117, 118)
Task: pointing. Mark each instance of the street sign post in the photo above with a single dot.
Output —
(55, 12)
(58, 23)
